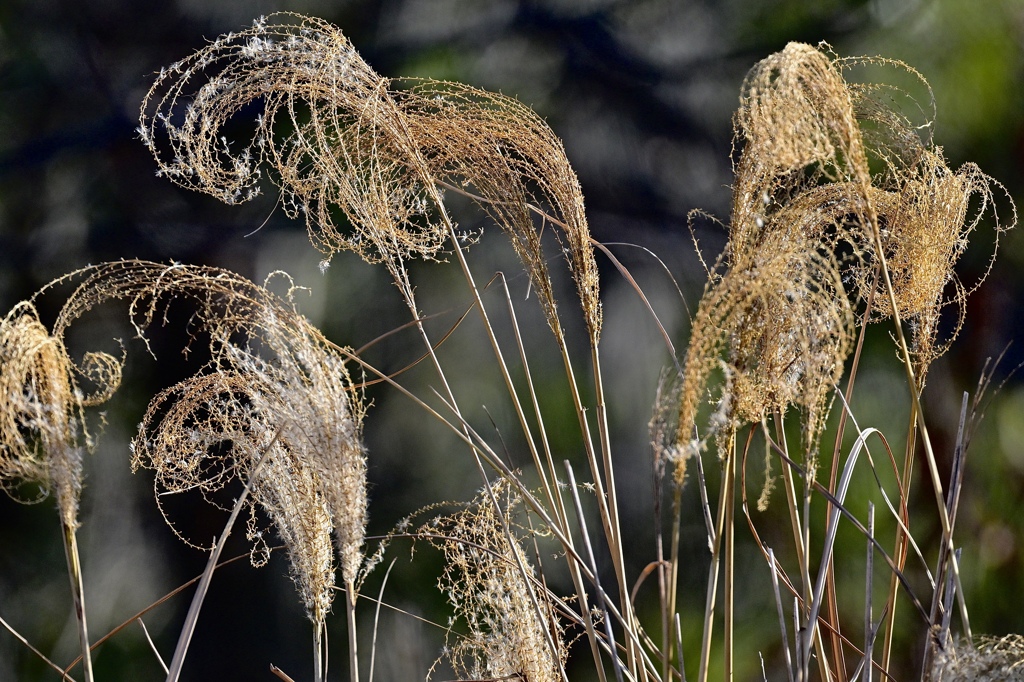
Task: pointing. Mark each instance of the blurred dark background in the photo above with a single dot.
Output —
(642, 94)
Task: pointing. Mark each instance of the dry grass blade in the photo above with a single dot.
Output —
(192, 618)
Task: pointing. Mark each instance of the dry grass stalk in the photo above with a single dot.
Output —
(43, 432)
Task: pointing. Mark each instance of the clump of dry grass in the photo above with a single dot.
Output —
(512, 628)
(842, 215)
(816, 233)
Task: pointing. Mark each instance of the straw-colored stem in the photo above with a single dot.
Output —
(78, 595)
(916, 412)
(353, 639)
(65, 677)
(673, 579)
(585, 534)
(801, 540)
(794, 513)
(830, 586)
(318, 652)
(730, 564)
(901, 549)
(555, 502)
(716, 556)
(615, 538)
(869, 636)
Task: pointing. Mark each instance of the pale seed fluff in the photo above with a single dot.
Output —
(275, 391)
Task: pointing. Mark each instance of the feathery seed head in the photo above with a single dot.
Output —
(347, 148)
(990, 659)
(808, 217)
(378, 154)
(42, 422)
(274, 385)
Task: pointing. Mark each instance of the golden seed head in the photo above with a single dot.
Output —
(379, 154)
(990, 659)
(827, 172)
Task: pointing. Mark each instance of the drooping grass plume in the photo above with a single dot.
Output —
(925, 222)
(274, 389)
(514, 160)
(346, 148)
(358, 144)
(826, 173)
(842, 215)
(42, 425)
(786, 333)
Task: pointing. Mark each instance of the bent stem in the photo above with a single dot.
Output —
(78, 594)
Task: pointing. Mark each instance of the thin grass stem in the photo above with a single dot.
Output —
(869, 635)
(188, 629)
(585, 533)
(78, 595)
(152, 645)
(64, 675)
(712, 593)
(775, 568)
(679, 648)
(376, 619)
(353, 639)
